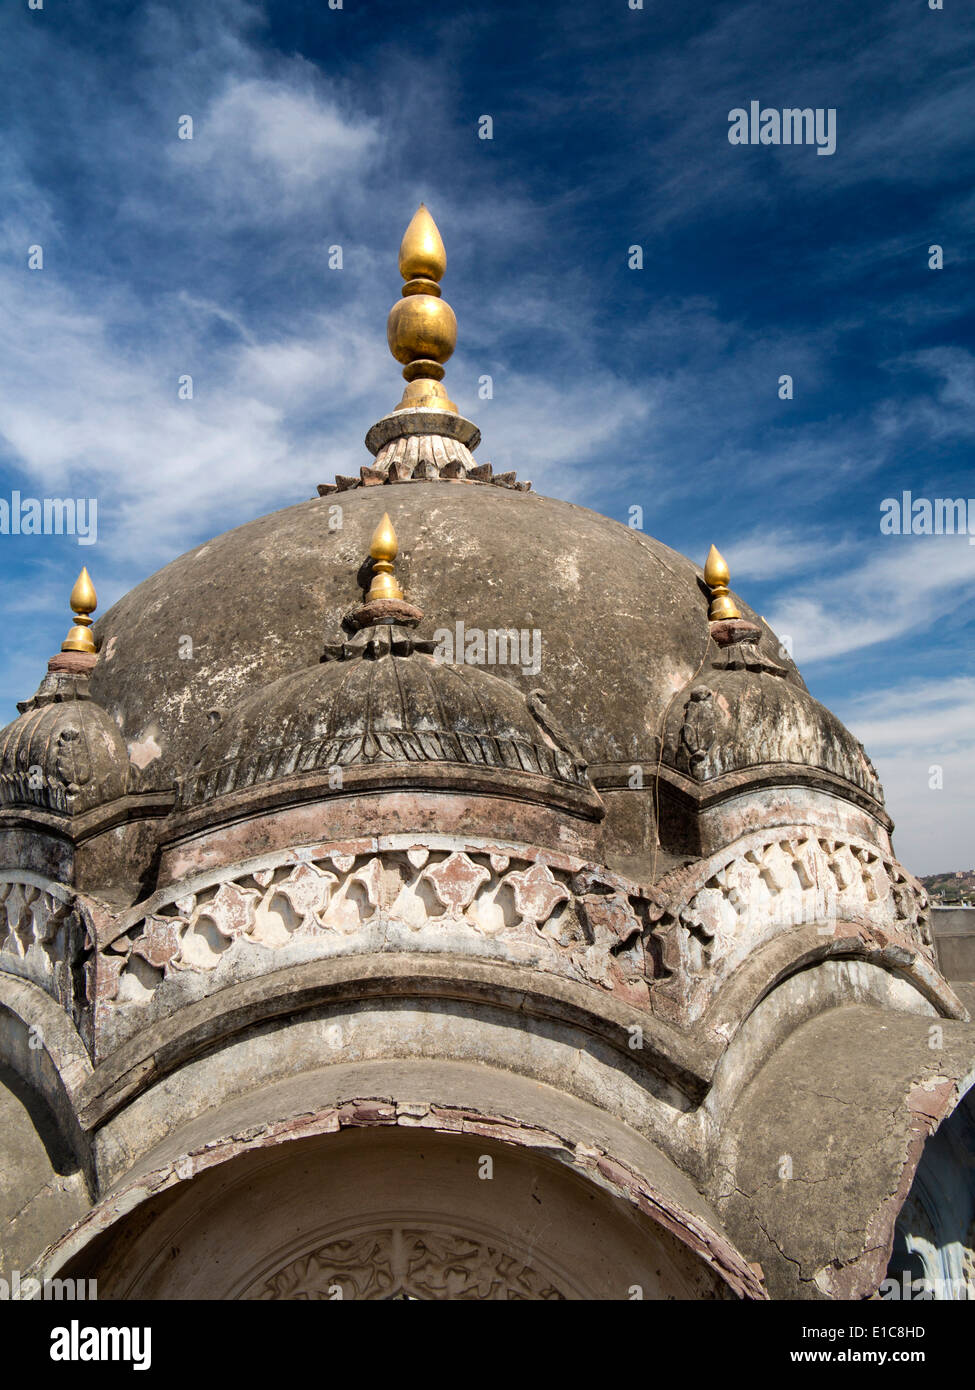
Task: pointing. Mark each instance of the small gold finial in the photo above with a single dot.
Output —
(716, 577)
(383, 548)
(83, 601)
(421, 329)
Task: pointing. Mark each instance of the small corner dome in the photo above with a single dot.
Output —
(66, 756)
(733, 721)
(388, 713)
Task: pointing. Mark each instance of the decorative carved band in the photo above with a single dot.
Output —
(720, 910)
(555, 916)
(668, 949)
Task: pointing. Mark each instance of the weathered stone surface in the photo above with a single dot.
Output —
(364, 894)
(456, 1110)
(823, 1144)
(381, 699)
(735, 718)
(610, 671)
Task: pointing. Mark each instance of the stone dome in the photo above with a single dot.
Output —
(383, 703)
(551, 856)
(622, 619)
(64, 753)
(732, 719)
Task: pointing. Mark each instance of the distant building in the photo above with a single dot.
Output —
(953, 929)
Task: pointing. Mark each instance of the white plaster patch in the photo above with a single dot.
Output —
(146, 751)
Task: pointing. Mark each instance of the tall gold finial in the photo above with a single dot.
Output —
(383, 548)
(422, 329)
(83, 601)
(716, 577)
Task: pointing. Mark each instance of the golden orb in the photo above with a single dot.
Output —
(421, 326)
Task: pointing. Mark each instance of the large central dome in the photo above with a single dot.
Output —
(622, 619)
(660, 681)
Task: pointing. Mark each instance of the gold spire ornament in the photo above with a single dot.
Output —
(716, 577)
(421, 329)
(384, 548)
(83, 601)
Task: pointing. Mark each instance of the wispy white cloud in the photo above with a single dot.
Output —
(909, 585)
(922, 740)
(949, 411)
(766, 554)
(265, 148)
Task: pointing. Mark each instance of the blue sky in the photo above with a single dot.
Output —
(613, 387)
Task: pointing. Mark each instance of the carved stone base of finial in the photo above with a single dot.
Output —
(443, 424)
(74, 663)
(426, 471)
(739, 641)
(432, 453)
(423, 446)
(728, 632)
(385, 610)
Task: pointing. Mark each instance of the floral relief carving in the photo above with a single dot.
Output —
(403, 1262)
(536, 893)
(456, 881)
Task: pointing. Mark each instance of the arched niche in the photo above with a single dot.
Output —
(393, 1213)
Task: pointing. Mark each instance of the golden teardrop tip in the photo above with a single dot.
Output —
(421, 252)
(83, 598)
(716, 571)
(384, 545)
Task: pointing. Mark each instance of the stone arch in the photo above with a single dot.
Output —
(376, 1210)
(45, 1161)
(541, 1141)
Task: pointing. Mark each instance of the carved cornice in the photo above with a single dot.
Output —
(667, 950)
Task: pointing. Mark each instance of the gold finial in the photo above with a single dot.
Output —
(383, 548)
(716, 576)
(83, 601)
(421, 253)
(422, 330)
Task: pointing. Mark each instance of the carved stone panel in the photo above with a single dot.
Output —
(545, 911)
(407, 1262)
(43, 938)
